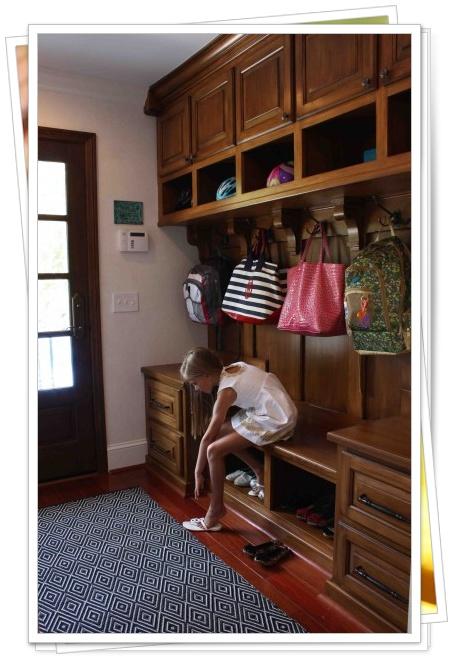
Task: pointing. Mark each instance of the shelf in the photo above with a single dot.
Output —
(209, 179)
(258, 162)
(386, 176)
(177, 194)
(339, 142)
(399, 123)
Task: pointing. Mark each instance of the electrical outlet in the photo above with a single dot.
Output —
(125, 302)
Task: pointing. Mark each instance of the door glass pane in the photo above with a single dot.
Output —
(55, 363)
(53, 305)
(51, 188)
(52, 247)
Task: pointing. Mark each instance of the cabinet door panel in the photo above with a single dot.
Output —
(213, 115)
(173, 137)
(263, 88)
(394, 57)
(332, 68)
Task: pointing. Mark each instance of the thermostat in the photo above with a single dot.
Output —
(133, 241)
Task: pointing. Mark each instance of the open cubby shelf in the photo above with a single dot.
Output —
(257, 163)
(339, 142)
(177, 194)
(209, 179)
(399, 123)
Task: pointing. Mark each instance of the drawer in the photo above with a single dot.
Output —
(165, 447)
(374, 574)
(376, 497)
(164, 404)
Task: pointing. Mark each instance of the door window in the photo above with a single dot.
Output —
(55, 368)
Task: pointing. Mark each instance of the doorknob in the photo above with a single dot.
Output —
(78, 315)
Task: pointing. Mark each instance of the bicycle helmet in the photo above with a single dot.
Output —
(226, 188)
(282, 173)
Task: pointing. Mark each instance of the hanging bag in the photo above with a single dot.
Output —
(314, 303)
(254, 294)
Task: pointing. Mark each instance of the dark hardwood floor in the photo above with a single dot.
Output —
(296, 585)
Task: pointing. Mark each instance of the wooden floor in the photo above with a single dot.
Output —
(296, 585)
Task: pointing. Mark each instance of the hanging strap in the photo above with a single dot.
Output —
(324, 247)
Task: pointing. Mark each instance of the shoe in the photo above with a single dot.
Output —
(328, 531)
(273, 555)
(197, 525)
(243, 480)
(257, 490)
(232, 476)
(303, 512)
(324, 504)
(321, 518)
(252, 550)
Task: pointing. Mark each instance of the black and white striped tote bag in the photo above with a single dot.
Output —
(254, 294)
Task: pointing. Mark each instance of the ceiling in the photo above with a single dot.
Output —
(133, 59)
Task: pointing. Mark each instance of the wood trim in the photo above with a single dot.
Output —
(88, 140)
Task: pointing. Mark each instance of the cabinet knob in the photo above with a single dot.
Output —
(384, 74)
(189, 159)
(366, 83)
(285, 116)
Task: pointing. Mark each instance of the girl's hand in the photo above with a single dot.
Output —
(199, 484)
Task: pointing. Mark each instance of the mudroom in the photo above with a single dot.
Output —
(279, 165)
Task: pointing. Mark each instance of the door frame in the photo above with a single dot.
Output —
(88, 141)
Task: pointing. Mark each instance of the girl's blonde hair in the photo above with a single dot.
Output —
(196, 363)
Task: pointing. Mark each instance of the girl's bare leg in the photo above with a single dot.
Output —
(252, 462)
(229, 443)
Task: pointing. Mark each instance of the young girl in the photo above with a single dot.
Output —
(267, 414)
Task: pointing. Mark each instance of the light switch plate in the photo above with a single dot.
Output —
(125, 302)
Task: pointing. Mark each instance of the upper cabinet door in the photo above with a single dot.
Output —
(212, 115)
(332, 68)
(173, 137)
(394, 57)
(264, 99)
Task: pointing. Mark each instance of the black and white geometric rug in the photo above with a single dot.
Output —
(118, 563)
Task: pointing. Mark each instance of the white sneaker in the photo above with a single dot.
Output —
(232, 476)
(257, 490)
(243, 480)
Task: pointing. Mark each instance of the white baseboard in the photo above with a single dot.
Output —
(129, 453)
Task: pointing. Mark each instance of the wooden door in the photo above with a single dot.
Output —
(173, 137)
(212, 115)
(394, 57)
(264, 98)
(71, 426)
(332, 68)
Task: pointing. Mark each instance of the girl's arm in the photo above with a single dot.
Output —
(225, 399)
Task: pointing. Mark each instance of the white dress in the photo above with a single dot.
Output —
(267, 413)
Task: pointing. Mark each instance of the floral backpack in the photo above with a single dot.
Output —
(378, 298)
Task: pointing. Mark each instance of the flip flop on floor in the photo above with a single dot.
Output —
(197, 525)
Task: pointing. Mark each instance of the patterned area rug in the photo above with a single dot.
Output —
(118, 563)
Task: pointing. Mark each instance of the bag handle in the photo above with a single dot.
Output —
(324, 246)
(259, 253)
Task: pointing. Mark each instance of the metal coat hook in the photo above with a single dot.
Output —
(395, 217)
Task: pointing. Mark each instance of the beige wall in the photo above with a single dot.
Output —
(161, 331)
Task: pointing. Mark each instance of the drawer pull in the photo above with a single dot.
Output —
(380, 508)
(160, 405)
(360, 571)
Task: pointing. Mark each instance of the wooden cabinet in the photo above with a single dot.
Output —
(264, 98)
(332, 68)
(373, 526)
(212, 115)
(173, 137)
(394, 57)
(171, 451)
